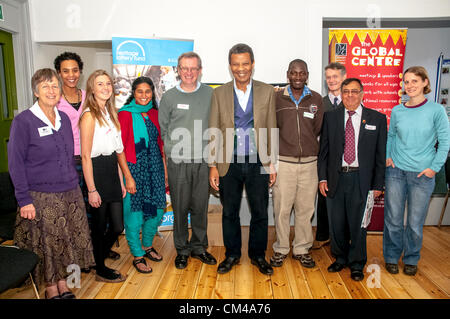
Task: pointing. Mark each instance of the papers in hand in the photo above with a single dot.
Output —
(368, 211)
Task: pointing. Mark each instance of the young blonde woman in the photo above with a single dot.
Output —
(412, 161)
(100, 144)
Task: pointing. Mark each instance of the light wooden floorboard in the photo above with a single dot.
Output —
(291, 281)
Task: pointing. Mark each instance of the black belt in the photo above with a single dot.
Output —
(348, 169)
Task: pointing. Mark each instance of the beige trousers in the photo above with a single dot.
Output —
(296, 187)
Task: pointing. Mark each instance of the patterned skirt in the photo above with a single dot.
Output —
(59, 235)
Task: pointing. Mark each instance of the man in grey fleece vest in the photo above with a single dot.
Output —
(183, 116)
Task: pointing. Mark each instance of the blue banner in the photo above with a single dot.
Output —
(139, 51)
(153, 58)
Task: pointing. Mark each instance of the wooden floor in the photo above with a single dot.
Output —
(290, 281)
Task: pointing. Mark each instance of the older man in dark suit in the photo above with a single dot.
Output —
(243, 115)
(335, 74)
(351, 162)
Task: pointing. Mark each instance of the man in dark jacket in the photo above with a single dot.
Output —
(335, 74)
(352, 161)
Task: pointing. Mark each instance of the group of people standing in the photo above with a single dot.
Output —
(331, 147)
(73, 153)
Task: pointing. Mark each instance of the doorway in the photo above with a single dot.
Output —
(8, 94)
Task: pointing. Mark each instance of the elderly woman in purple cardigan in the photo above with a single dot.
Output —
(52, 220)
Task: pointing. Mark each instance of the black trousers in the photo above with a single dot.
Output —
(107, 225)
(345, 213)
(322, 232)
(256, 182)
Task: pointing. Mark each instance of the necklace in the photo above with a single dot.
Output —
(77, 104)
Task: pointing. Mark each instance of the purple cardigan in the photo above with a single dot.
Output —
(41, 164)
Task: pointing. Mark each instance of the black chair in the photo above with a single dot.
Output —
(447, 177)
(15, 265)
(8, 208)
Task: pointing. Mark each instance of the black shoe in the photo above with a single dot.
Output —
(357, 275)
(226, 265)
(68, 295)
(181, 261)
(392, 268)
(263, 266)
(205, 258)
(105, 274)
(54, 297)
(86, 270)
(113, 255)
(335, 267)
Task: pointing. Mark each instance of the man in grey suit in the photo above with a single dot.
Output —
(335, 74)
(243, 116)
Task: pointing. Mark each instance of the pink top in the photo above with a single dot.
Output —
(74, 117)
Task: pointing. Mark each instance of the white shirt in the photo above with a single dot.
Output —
(178, 86)
(243, 96)
(356, 121)
(37, 111)
(107, 138)
(331, 96)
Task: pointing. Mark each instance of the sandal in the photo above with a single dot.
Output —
(149, 255)
(141, 261)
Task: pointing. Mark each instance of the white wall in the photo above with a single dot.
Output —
(93, 58)
(278, 31)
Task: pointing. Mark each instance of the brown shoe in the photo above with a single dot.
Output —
(392, 268)
(319, 244)
(410, 270)
(277, 259)
(306, 260)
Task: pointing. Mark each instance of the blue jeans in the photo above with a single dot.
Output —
(402, 187)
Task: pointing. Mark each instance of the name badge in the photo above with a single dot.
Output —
(308, 115)
(183, 106)
(370, 127)
(45, 130)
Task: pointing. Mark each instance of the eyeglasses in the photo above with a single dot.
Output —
(353, 92)
(185, 69)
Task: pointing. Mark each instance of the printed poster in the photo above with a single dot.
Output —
(156, 59)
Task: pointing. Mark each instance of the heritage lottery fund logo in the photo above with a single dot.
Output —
(129, 52)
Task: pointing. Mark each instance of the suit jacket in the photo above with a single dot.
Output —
(327, 104)
(221, 124)
(371, 149)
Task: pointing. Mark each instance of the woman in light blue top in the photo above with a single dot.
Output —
(417, 148)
